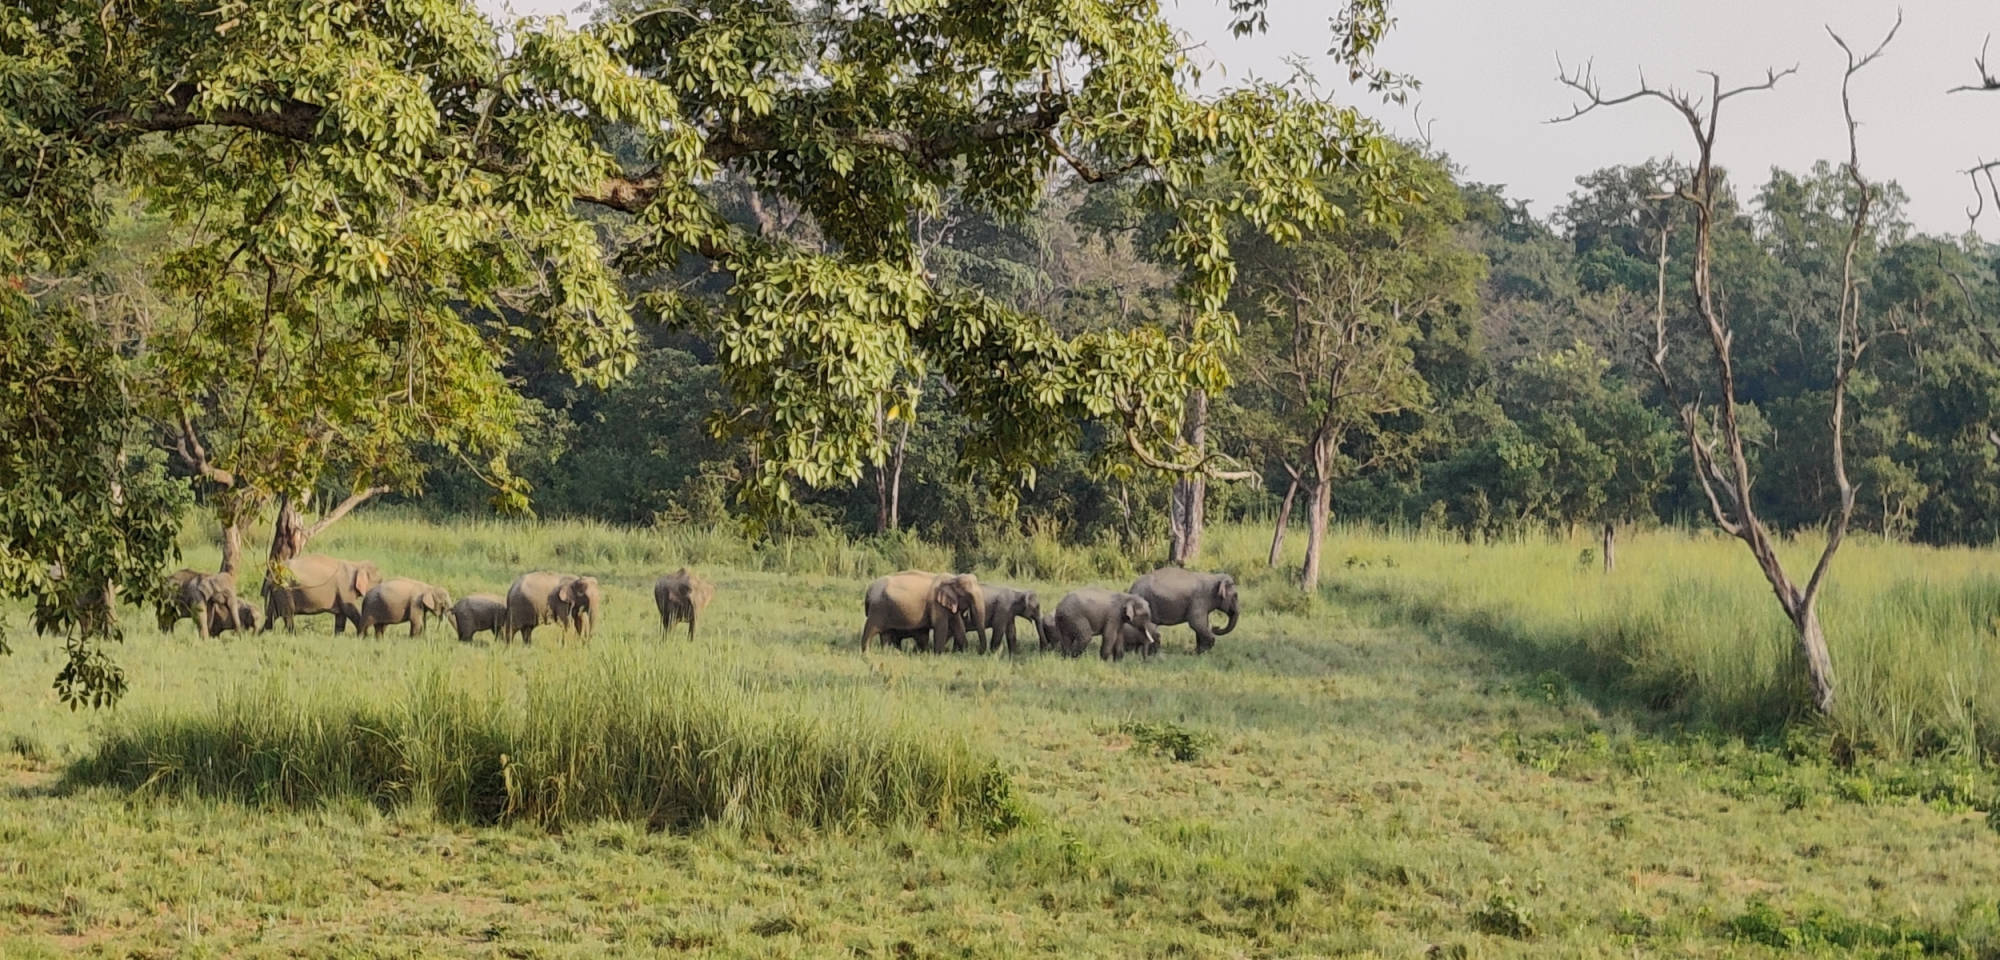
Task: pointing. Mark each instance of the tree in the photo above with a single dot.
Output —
(1337, 317)
(379, 202)
(1725, 477)
(1604, 454)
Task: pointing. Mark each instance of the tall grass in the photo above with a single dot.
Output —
(1686, 628)
(618, 736)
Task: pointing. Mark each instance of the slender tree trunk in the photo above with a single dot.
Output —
(232, 544)
(1284, 520)
(889, 476)
(1185, 516)
(1812, 650)
(896, 475)
(1320, 509)
(1610, 545)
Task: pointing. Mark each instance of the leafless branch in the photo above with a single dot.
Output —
(1987, 81)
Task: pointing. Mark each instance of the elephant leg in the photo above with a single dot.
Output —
(691, 616)
(868, 631)
(1204, 635)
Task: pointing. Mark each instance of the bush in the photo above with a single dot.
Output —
(619, 738)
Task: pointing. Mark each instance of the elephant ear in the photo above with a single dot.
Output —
(947, 595)
(1226, 590)
(1136, 610)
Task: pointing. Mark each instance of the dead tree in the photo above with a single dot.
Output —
(1724, 473)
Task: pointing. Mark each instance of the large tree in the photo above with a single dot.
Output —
(1336, 323)
(373, 204)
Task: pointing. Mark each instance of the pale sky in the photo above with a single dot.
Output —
(1488, 72)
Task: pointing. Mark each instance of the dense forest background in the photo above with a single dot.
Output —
(1504, 358)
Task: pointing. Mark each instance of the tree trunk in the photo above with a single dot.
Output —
(1818, 663)
(232, 544)
(1185, 516)
(1284, 520)
(288, 533)
(1610, 544)
(896, 474)
(1317, 513)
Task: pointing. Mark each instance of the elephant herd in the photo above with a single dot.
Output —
(356, 593)
(935, 610)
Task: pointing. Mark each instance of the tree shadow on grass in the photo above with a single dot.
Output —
(1597, 663)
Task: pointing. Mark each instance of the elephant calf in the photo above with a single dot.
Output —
(570, 601)
(1185, 596)
(681, 595)
(479, 611)
(246, 619)
(1091, 612)
(401, 600)
(1003, 605)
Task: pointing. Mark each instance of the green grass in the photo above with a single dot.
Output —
(1486, 751)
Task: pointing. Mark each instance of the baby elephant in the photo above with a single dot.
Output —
(1003, 605)
(246, 619)
(1091, 612)
(478, 611)
(402, 600)
(681, 595)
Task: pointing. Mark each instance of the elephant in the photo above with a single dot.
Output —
(246, 619)
(681, 595)
(209, 598)
(915, 600)
(320, 584)
(1003, 605)
(544, 596)
(476, 612)
(172, 611)
(1090, 612)
(1051, 634)
(1186, 596)
(401, 600)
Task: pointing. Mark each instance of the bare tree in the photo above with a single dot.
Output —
(1724, 474)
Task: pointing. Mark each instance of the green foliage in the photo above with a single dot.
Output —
(86, 515)
(1168, 739)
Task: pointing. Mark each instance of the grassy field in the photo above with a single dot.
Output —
(1450, 751)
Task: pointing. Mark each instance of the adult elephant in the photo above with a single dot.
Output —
(681, 595)
(314, 583)
(544, 596)
(915, 601)
(173, 606)
(1186, 596)
(476, 612)
(1003, 605)
(401, 600)
(1117, 617)
(210, 599)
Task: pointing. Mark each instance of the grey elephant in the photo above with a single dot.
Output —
(681, 595)
(172, 609)
(1003, 605)
(401, 600)
(314, 583)
(476, 612)
(1092, 612)
(209, 598)
(916, 603)
(572, 602)
(246, 619)
(1186, 596)
(1050, 633)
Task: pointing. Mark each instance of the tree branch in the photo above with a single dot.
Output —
(1987, 81)
(343, 508)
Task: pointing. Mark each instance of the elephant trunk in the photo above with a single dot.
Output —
(1231, 625)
